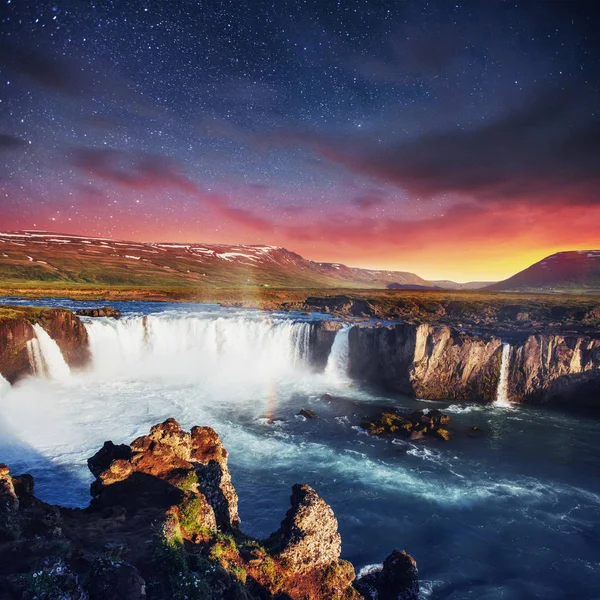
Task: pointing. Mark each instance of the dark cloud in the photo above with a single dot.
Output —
(44, 68)
(11, 142)
(543, 152)
(148, 172)
(369, 200)
(411, 52)
(136, 171)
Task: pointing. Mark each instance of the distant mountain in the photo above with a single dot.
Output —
(452, 285)
(371, 277)
(411, 286)
(575, 270)
(51, 258)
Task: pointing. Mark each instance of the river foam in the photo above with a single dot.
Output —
(504, 507)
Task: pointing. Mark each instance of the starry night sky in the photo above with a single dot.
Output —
(452, 139)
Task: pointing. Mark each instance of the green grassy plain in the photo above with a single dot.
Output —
(469, 307)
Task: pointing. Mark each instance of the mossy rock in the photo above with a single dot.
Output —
(442, 434)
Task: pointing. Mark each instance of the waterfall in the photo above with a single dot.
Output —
(301, 343)
(337, 363)
(502, 398)
(201, 347)
(45, 355)
(34, 354)
(4, 386)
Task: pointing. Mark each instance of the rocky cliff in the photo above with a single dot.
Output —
(557, 370)
(16, 329)
(163, 524)
(437, 362)
(426, 361)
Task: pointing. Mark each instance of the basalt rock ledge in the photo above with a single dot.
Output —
(438, 362)
(163, 524)
(17, 330)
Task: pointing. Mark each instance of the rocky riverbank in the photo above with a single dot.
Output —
(439, 362)
(163, 524)
(17, 333)
(431, 360)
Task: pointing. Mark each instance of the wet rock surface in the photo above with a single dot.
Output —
(163, 524)
(556, 369)
(307, 413)
(397, 579)
(414, 426)
(426, 361)
(437, 362)
(16, 330)
(103, 311)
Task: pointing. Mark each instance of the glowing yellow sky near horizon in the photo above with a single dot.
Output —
(489, 243)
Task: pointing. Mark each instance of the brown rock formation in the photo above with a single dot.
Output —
(426, 361)
(103, 311)
(396, 580)
(414, 426)
(70, 334)
(14, 360)
(309, 545)
(9, 505)
(556, 369)
(193, 464)
(308, 537)
(163, 525)
(16, 329)
(437, 362)
(322, 336)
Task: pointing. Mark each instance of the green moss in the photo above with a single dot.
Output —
(224, 548)
(190, 483)
(240, 574)
(389, 419)
(268, 569)
(169, 549)
(33, 314)
(192, 513)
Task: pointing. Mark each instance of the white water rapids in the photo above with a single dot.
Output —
(248, 375)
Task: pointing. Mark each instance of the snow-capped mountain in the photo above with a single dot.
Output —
(51, 257)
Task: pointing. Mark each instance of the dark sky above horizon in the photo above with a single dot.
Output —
(453, 139)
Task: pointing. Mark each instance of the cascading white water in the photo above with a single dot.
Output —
(34, 354)
(54, 364)
(4, 386)
(337, 363)
(502, 398)
(198, 347)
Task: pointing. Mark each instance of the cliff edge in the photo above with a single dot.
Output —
(163, 524)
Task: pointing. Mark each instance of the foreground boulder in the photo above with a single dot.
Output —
(396, 579)
(166, 465)
(163, 524)
(309, 545)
